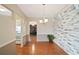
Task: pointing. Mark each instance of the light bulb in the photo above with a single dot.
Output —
(45, 20)
(41, 21)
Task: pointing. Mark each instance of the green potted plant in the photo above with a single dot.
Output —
(51, 38)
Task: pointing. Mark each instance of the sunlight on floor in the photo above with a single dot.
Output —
(33, 48)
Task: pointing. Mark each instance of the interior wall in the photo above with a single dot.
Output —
(7, 30)
(67, 30)
(24, 28)
(42, 29)
(24, 37)
(18, 31)
(21, 21)
(20, 15)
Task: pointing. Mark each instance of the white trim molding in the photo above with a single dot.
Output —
(2, 45)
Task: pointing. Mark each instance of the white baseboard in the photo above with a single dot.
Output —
(42, 40)
(6, 43)
(62, 47)
(18, 41)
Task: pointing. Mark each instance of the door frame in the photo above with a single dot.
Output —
(29, 30)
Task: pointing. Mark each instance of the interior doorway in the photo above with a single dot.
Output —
(33, 31)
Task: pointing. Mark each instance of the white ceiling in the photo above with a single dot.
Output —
(38, 10)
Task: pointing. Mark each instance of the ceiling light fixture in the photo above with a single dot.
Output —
(44, 19)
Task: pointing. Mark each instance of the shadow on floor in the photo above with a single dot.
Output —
(9, 49)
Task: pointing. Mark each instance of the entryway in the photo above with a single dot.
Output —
(33, 31)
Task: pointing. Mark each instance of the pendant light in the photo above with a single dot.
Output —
(44, 19)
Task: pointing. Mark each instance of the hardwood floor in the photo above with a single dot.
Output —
(33, 38)
(32, 48)
(9, 49)
(39, 48)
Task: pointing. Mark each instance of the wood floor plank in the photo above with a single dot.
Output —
(32, 48)
(39, 48)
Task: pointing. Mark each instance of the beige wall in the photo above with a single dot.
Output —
(42, 29)
(7, 30)
(8, 25)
